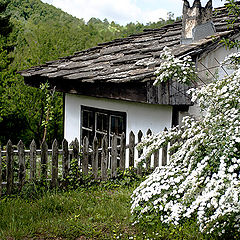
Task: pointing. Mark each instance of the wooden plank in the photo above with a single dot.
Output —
(114, 157)
(148, 160)
(33, 159)
(95, 158)
(104, 159)
(22, 166)
(140, 152)
(65, 159)
(44, 160)
(0, 171)
(54, 163)
(9, 159)
(123, 152)
(131, 149)
(85, 155)
(164, 153)
(156, 159)
(76, 149)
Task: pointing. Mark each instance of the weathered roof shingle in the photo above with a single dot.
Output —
(131, 59)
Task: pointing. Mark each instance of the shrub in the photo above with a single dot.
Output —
(202, 180)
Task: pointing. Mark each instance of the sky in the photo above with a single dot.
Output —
(124, 11)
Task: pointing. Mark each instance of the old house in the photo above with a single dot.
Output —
(108, 89)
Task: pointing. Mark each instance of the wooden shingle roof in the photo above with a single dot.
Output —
(127, 62)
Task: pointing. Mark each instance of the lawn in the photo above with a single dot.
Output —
(94, 213)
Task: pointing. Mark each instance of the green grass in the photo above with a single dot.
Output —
(90, 214)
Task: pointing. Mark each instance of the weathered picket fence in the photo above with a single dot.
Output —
(45, 163)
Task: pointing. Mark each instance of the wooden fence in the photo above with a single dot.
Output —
(21, 165)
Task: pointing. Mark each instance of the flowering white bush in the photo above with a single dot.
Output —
(202, 180)
(174, 68)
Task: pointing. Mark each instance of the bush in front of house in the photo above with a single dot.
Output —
(202, 181)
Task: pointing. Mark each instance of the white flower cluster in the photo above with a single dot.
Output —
(173, 68)
(202, 180)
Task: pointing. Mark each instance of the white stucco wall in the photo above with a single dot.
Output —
(211, 61)
(139, 116)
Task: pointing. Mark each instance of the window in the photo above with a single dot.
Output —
(102, 123)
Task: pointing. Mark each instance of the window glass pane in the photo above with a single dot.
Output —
(117, 125)
(102, 122)
(88, 119)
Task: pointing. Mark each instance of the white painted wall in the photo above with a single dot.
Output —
(210, 61)
(139, 116)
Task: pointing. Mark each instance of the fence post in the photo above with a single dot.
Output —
(148, 160)
(140, 152)
(85, 155)
(131, 149)
(123, 152)
(104, 159)
(114, 157)
(9, 158)
(65, 159)
(33, 157)
(0, 171)
(95, 158)
(22, 167)
(54, 163)
(164, 153)
(44, 160)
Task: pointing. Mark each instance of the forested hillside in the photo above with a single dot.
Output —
(33, 33)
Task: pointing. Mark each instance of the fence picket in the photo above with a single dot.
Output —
(104, 159)
(114, 157)
(44, 160)
(22, 167)
(156, 159)
(123, 152)
(164, 153)
(131, 149)
(148, 160)
(140, 152)
(65, 159)
(54, 163)
(85, 155)
(76, 149)
(33, 159)
(9, 159)
(0, 171)
(95, 158)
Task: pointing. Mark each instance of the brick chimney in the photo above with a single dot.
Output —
(197, 21)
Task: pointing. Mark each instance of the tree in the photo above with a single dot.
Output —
(5, 25)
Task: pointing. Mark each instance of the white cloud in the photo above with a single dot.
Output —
(123, 11)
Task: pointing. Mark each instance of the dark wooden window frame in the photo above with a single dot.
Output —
(109, 114)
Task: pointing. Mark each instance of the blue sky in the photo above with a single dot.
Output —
(124, 11)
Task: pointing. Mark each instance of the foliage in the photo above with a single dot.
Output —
(202, 181)
(174, 68)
